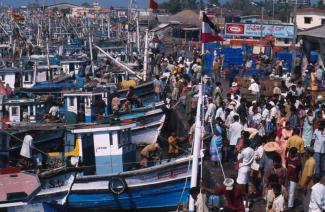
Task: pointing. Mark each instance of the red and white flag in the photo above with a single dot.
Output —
(209, 32)
(153, 5)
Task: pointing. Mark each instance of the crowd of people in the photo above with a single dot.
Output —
(275, 142)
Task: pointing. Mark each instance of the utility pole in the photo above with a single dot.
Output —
(272, 11)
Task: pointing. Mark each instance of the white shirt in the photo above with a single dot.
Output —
(278, 204)
(266, 115)
(317, 198)
(258, 153)
(257, 118)
(254, 88)
(26, 150)
(201, 203)
(54, 110)
(221, 113)
(300, 90)
(276, 90)
(235, 132)
(211, 111)
(319, 74)
(319, 145)
(247, 155)
(274, 112)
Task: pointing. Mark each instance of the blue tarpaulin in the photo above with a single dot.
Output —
(208, 64)
(54, 86)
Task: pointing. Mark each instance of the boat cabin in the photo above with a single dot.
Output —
(73, 65)
(21, 110)
(86, 105)
(12, 76)
(105, 149)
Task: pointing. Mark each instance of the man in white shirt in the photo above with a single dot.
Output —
(318, 143)
(235, 130)
(221, 112)
(278, 202)
(54, 111)
(211, 111)
(245, 158)
(317, 197)
(254, 88)
(319, 73)
(26, 148)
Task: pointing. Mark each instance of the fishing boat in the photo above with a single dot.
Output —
(98, 169)
(158, 187)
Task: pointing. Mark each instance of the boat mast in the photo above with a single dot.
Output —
(48, 58)
(91, 53)
(138, 32)
(118, 62)
(108, 27)
(145, 60)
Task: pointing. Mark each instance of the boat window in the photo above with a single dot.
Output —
(69, 141)
(26, 77)
(71, 101)
(110, 139)
(87, 101)
(122, 138)
(14, 111)
(31, 111)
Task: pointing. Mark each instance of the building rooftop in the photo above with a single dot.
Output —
(309, 11)
(318, 32)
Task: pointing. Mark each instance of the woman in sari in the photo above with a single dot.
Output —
(308, 129)
(216, 141)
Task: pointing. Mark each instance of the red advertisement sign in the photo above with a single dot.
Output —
(235, 29)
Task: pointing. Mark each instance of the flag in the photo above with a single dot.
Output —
(209, 32)
(153, 5)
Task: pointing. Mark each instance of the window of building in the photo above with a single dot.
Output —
(2, 77)
(308, 20)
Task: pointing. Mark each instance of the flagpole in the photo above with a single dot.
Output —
(202, 30)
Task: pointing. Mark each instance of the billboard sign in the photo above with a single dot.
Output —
(256, 30)
(235, 29)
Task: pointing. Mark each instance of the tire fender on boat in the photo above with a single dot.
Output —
(117, 185)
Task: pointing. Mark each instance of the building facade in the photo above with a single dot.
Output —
(300, 3)
(308, 18)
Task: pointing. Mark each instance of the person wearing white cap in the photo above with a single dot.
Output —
(276, 89)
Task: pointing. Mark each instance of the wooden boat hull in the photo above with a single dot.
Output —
(162, 186)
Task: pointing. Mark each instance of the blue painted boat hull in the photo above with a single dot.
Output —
(161, 195)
